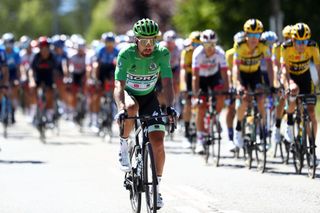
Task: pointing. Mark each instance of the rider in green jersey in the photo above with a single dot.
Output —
(138, 67)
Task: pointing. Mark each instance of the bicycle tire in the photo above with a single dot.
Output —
(216, 144)
(134, 185)
(298, 157)
(311, 155)
(150, 180)
(262, 147)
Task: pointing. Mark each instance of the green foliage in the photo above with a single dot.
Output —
(101, 21)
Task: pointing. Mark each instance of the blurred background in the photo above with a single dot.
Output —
(91, 18)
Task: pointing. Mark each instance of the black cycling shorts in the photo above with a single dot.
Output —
(306, 86)
(149, 105)
(251, 80)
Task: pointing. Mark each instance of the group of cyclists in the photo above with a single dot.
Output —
(151, 73)
(63, 66)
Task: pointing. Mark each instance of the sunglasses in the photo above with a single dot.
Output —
(301, 42)
(194, 44)
(253, 35)
(208, 44)
(147, 41)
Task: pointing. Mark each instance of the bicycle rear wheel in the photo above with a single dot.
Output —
(150, 180)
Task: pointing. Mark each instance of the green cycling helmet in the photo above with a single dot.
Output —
(145, 27)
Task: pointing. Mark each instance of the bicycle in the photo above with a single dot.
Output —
(40, 118)
(143, 177)
(106, 112)
(6, 111)
(212, 146)
(304, 137)
(254, 134)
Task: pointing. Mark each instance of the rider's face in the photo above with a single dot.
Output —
(300, 45)
(146, 45)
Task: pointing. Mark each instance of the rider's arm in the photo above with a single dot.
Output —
(224, 70)
(195, 81)
(316, 59)
(195, 71)
(267, 56)
(118, 93)
(168, 91)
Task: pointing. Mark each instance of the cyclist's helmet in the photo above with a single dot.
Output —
(239, 36)
(43, 41)
(108, 37)
(8, 38)
(300, 31)
(169, 35)
(208, 36)
(195, 36)
(58, 41)
(25, 41)
(80, 44)
(130, 35)
(286, 31)
(145, 27)
(269, 36)
(253, 26)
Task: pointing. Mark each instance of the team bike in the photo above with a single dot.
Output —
(304, 146)
(142, 178)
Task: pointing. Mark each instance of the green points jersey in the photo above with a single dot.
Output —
(141, 73)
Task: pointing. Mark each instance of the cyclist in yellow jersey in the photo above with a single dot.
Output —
(247, 57)
(278, 82)
(186, 77)
(295, 63)
(239, 36)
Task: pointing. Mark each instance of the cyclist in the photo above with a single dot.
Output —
(186, 77)
(295, 63)
(286, 33)
(247, 57)
(43, 66)
(106, 60)
(13, 62)
(231, 111)
(209, 71)
(137, 71)
(26, 55)
(77, 69)
(4, 73)
(58, 43)
(169, 41)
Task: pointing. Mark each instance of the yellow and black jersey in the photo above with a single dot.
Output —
(276, 47)
(186, 59)
(298, 63)
(249, 60)
(229, 58)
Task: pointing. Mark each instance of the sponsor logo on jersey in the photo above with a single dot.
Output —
(153, 66)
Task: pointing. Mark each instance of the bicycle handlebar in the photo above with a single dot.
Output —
(146, 118)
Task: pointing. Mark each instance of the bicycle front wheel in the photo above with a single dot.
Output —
(311, 154)
(216, 143)
(150, 179)
(133, 179)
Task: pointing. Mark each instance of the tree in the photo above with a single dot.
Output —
(101, 21)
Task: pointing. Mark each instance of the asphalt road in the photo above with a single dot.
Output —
(78, 173)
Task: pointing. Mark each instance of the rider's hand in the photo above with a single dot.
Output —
(120, 116)
(172, 114)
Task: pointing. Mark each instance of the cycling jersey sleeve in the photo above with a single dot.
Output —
(165, 68)
(316, 55)
(122, 66)
(195, 58)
